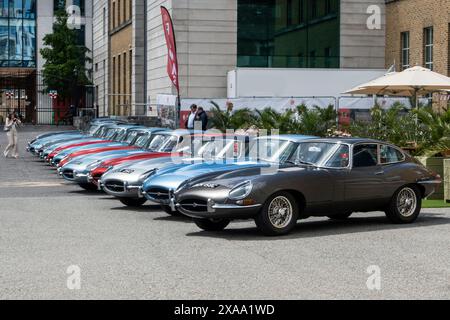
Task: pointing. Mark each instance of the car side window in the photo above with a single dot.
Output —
(390, 155)
(365, 155)
(340, 158)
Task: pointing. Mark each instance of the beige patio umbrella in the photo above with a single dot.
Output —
(412, 82)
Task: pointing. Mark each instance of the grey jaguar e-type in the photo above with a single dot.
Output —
(324, 177)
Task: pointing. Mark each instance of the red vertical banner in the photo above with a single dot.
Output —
(172, 63)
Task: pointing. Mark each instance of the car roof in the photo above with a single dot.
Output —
(150, 130)
(290, 137)
(348, 140)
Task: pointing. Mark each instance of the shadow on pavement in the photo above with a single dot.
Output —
(324, 228)
(174, 219)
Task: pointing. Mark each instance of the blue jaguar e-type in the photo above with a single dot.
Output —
(265, 153)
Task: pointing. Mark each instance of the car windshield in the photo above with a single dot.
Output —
(94, 130)
(121, 135)
(131, 136)
(325, 154)
(142, 140)
(169, 145)
(101, 132)
(110, 133)
(222, 149)
(157, 141)
(271, 149)
(199, 147)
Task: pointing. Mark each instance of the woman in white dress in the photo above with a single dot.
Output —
(12, 122)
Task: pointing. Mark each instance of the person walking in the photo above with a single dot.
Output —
(190, 121)
(11, 124)
(203, 117)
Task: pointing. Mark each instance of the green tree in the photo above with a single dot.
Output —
(315, 121)
(436, 131)
(229, 119)
(270, 119)
(66, 59)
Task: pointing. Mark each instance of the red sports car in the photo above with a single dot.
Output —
(97, 173)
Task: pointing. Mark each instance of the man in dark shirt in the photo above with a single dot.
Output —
(203, 117)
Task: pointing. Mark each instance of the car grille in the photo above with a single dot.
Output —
(68, 174)
(194, 205)
(114, 186)
(158, 193)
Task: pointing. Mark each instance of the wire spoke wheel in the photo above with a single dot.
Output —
(280, 212)
(407, 202)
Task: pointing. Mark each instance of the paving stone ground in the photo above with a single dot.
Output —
(48, 225)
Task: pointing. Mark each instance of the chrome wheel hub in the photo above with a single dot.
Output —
(280, 212)
(407, 202)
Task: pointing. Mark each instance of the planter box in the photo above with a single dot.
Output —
(437, 165)
(447, 180)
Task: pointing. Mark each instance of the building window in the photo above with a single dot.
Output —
(289, 13)
(18, 33)
(428, 47)
(327, 57)
(119, 78)
(314, 10)
(119, 16)
(301, 11)
(271, 34)
(104, 21)
(312, 59)
(130, 8)
(80, 4)
(328, 8)
(113, 14)
(130, 77)
(405, 50)
(124, 13)
(81, 35)
(125, 77)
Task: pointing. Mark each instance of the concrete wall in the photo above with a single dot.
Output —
(361, 47)
(100, 54)
(206, 42)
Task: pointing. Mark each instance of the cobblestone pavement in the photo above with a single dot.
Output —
(48, 225)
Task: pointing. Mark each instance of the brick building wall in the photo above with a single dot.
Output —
(120, 57)
(414, 16)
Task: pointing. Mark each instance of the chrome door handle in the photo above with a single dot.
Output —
(379, 173)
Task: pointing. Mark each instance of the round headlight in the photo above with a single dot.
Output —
(241, 191)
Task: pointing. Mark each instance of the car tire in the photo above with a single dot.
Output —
(169, 211)
(133, 202)
(405, 205)
(340, 216)
(279, 215)
(88, 187)
(211, 225)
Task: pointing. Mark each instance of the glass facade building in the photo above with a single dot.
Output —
(18, 33)
(288, 33)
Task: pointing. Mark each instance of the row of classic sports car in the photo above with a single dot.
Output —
(215, 178)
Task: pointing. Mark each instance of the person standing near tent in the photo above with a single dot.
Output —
(203, 117)
(190, 121)
(11, 124)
